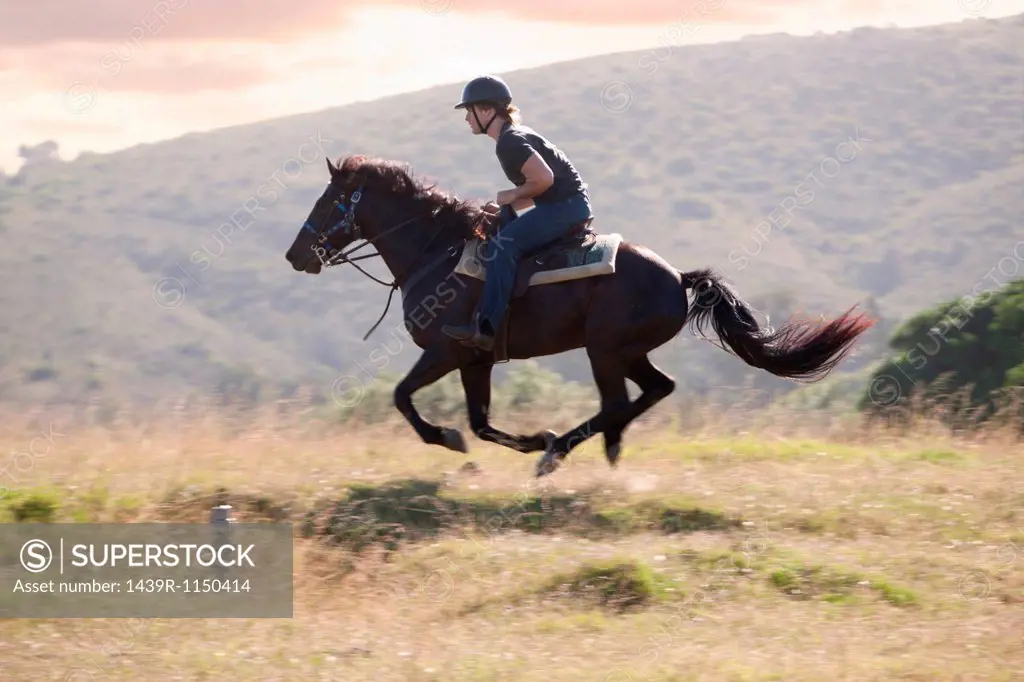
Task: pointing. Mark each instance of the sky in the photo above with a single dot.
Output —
(108, 74)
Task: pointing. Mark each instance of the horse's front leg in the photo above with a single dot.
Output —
(434, 363)
(476, 382)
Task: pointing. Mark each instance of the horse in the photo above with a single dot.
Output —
(618, 314)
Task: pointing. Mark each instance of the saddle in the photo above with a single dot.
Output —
(578, 254)
(568, 251)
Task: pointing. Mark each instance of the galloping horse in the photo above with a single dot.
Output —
(632, 303)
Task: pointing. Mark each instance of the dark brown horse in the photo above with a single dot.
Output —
(619, 318)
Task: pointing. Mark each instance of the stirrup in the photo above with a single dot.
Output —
(463, 331)
(460, 332)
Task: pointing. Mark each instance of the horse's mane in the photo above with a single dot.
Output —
(456, 215)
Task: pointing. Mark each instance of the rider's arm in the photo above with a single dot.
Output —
(538, 178)
(515, 152)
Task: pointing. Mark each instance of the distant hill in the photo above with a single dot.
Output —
(716, 144)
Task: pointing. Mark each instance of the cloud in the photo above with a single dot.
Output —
(636, 12)
(46, 21)
(187, 78)
(33, 22)
(161, 67)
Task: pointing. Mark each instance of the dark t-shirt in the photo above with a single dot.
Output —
(514, 147)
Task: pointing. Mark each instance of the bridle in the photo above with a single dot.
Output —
(351, 228)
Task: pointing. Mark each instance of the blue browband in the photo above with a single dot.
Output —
(348, 216)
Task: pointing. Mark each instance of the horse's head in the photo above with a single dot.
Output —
(379, 201)
(331, 224)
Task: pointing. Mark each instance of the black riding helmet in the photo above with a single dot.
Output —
(489, 90)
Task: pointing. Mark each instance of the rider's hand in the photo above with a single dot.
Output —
(506, 196)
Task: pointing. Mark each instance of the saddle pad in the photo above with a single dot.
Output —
(596, 259)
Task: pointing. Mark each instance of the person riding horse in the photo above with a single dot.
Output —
(544, 178)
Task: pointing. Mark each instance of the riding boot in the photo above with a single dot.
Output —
(471, 334)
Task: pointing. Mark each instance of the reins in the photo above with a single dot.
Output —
(348, 222)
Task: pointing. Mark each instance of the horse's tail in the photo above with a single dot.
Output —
(798, 350)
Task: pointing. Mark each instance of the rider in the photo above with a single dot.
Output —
(543, 176)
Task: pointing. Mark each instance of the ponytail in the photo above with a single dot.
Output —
(513, 114)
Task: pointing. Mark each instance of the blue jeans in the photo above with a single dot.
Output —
(539, 226)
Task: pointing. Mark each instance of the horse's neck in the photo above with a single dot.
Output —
(413, 246)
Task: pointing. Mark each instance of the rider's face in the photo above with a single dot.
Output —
(484, 113)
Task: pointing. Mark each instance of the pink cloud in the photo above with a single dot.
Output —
(45, 21)
(163, 67)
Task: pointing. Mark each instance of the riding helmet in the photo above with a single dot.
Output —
(485, 89)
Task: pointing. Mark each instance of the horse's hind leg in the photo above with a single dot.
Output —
(614, 396)
(654, 384)
(616, 410)
(476, 382)
(610, 375)
(433, 364)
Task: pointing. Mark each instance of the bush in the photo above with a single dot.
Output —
(965, 345)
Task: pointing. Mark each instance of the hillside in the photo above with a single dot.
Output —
(715, 141)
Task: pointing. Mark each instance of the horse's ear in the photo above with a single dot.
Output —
(334, 170)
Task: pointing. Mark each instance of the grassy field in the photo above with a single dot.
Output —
(722, 548)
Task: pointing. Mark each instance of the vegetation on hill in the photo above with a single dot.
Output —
(877, 165)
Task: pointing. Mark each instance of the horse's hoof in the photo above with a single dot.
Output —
(547, 464)
(470, 468)
(612, 453)
(453, 440)
(548, 436)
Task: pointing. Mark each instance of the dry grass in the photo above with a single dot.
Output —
(723, 548)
